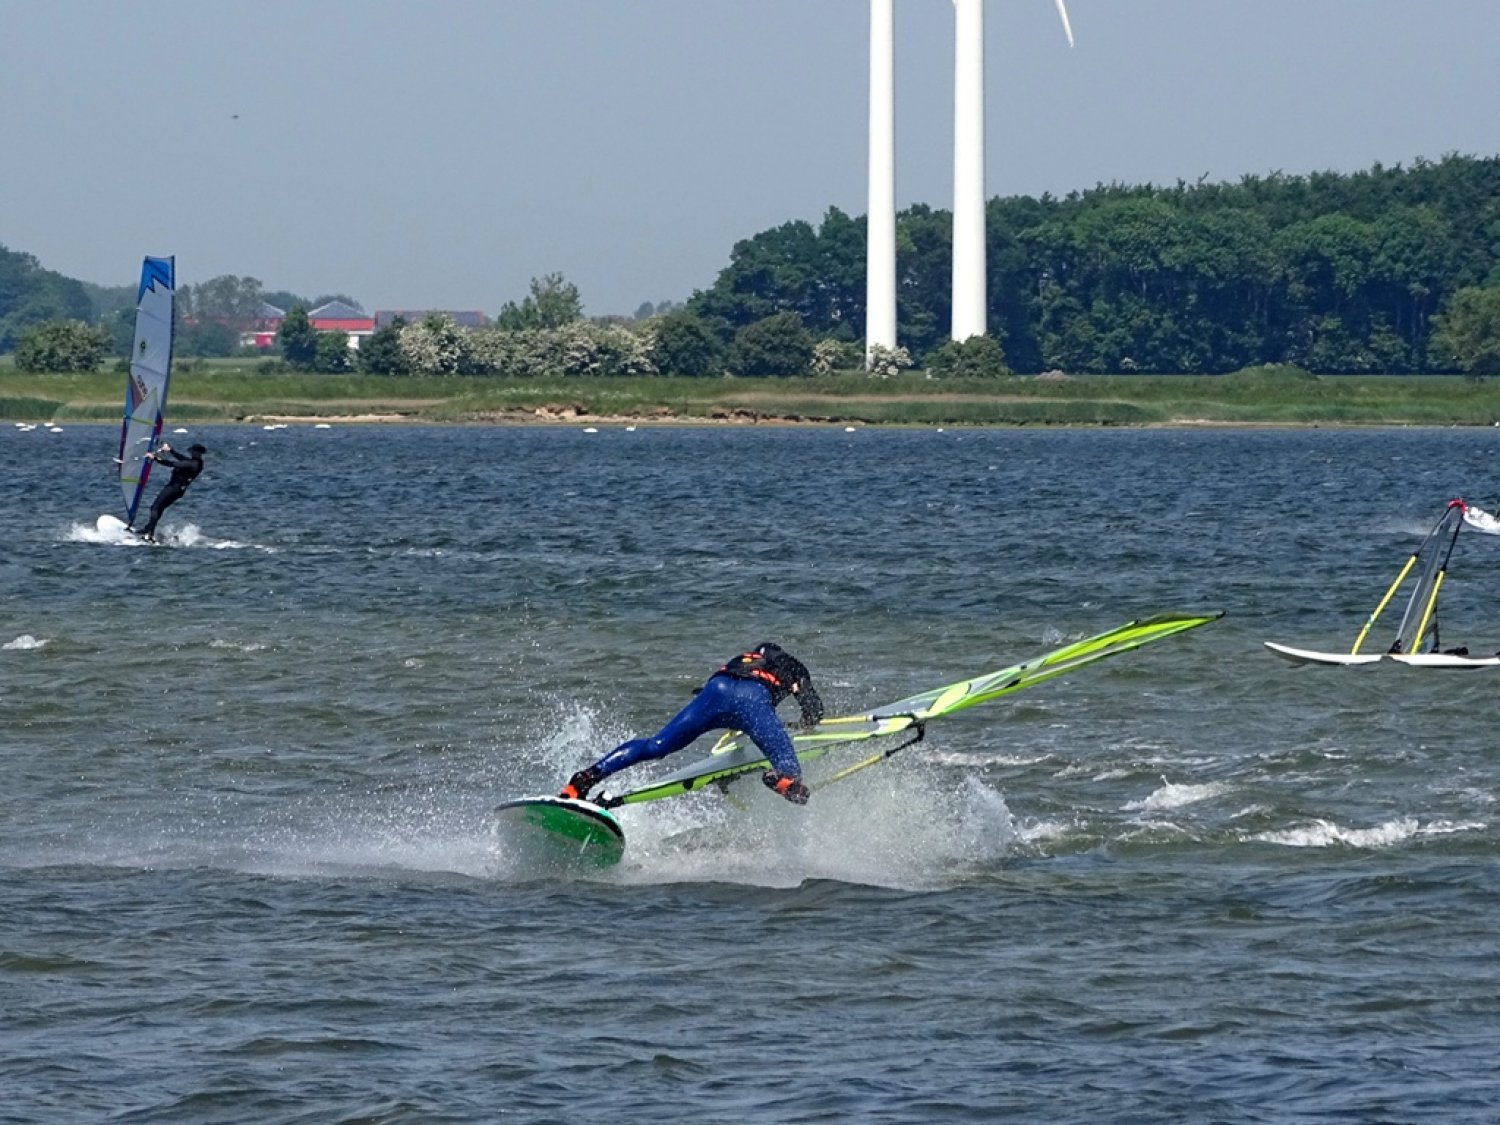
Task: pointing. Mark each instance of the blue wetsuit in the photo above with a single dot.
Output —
(742, 695)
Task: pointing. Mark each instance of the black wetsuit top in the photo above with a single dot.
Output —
(780, 671)
(185, 468)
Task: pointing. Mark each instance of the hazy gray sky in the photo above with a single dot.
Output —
(442, 153)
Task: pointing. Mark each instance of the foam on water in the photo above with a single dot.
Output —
(906, 831)
(1171, 796)
(1325, 834)
(113, 532)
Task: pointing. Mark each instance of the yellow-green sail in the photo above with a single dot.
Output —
(737, 754)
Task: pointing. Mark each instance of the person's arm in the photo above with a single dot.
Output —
(167, 456)
(807, 699)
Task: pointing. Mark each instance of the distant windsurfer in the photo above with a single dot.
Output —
(185, 469)
(742, 695)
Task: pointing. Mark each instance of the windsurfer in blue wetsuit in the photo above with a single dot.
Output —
(742, 695)
(185, 469)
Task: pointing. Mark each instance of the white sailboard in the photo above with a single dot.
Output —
(1480, 520)
(1417, 641)
(1312, 656)
(1444, 660)
(150, 374)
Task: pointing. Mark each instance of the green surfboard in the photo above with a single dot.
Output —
(558, 830)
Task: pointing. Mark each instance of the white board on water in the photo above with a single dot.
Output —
(1480, 520)
(1444, 660)
(1310, 656)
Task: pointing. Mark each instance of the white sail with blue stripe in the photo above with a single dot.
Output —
(150, 372)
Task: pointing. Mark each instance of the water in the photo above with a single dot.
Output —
(246, 872)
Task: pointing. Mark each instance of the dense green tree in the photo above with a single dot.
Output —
(298, 340)
(646, 310)
(31, 295)
(814, 272)
(685, 344)
(61, 346)
(552, 303)
(206, 338)
(978, 357)
(779, 344)
(1469, 332)
(119, 328)
(332, 354)
(109, 300)
(380, 352)
(227, 299)
(924, 278)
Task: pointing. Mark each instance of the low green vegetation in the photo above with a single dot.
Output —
(235, 391)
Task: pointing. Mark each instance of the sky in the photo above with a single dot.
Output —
(443, 153)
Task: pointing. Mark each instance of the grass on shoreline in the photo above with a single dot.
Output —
(232, 391)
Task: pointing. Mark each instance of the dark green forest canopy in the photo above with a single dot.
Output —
(1331, 272)
(30, 295)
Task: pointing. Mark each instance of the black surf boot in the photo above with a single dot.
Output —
(578, 786)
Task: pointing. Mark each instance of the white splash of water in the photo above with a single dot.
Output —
(1171, 796)
(1325, 833)
(248, 647)
(25, 642)
(905, 829)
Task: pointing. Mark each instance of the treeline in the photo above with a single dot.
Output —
(1329, 272)
(31, 295)
(1391, 270)
(547, 334)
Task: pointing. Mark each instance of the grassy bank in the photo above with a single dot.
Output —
(235, 392)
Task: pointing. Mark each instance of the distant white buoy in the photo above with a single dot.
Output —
(55, 430)
(630, 429)
(180, 430)
(322, 426)
(848, 429)
(590, 430)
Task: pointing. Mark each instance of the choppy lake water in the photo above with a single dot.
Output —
(246, 872)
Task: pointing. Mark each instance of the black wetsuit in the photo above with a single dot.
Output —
(185, 469)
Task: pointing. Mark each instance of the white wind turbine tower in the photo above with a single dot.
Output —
(970, 300)
(880, 218)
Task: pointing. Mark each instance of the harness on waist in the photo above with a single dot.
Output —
(753, 666)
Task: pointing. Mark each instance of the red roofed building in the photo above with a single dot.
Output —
(336, 316)
(262, 333)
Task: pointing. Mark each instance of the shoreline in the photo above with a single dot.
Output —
(528, 418)
(229, 396)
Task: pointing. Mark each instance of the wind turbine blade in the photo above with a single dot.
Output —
(1062, 12)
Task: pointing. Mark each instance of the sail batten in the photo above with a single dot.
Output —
(150, 373)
